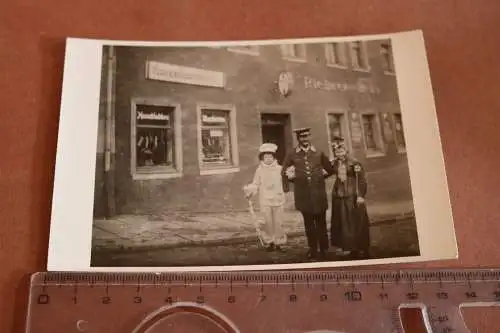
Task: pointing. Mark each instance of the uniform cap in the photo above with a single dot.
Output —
(304, 131)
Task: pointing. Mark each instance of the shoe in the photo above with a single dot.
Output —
(311, 255)
(270, 248)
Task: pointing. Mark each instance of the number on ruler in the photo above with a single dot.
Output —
(106, 300)
(231, 299)
(293, 298)
(137, 299)
(323, 297)
(200, 299)
(352, 296)
(496, 294)
(43, 299)
(383, 296)
(169, 300)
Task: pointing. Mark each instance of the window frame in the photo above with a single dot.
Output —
(342, 63)
(392, 70)
(233, 139)
(364, 55)
(401, 150)
(380, 141)
(295, 58)
(159, 172)
(255, 51)
(344, 125)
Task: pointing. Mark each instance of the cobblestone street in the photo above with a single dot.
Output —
(389, 239)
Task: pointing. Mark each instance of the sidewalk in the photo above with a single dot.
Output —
(189, 229)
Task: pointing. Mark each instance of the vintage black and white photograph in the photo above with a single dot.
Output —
(290, 152)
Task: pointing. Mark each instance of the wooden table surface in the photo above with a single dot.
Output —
(463, 42)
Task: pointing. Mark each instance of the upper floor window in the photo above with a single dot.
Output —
(387, 58)
(359, 56)
(335, 54)
(294, 52)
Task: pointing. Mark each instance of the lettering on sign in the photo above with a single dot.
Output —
(186, 75)
(152, 116)
(213, 119)
(361, 85)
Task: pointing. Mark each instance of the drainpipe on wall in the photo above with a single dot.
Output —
(109, 152)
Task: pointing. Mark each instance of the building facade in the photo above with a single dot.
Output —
(180, 127)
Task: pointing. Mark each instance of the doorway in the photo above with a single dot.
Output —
(276, 129)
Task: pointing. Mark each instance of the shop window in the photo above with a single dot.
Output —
(372, 135)
(294, 52)
(359, 56)
(398, 130)
(217, 140)
(387, 58)
(156, 134)
(245, 49)
(337, 127)
(335, 54)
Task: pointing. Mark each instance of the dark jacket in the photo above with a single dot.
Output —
(309, 182)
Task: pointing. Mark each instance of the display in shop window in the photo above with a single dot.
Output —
(154, 136)
(215, 138)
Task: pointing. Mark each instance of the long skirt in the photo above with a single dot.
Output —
(349, 229)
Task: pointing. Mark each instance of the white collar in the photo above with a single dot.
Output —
(311, 147)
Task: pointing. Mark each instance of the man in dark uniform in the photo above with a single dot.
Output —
(307, 168)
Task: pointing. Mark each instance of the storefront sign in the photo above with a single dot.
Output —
(213, 119)
(186, 75)
(152, 116)
(285, 83)
(361, 86)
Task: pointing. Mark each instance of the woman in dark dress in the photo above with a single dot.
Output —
(349, 228)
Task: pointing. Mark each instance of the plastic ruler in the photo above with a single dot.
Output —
(255, 302)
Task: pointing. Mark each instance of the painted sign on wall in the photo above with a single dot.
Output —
(186, 75)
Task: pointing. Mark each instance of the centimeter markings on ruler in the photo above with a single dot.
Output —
(442, 291)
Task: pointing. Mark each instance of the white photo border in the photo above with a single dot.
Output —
(73, 194)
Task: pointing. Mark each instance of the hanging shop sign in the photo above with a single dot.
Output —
(285, 83)
(186, 75)
(361, 85)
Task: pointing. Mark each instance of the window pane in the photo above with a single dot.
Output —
(215, 138)
(369, 129)
(386, 55)
(154, 136)
(155, 147)
(400, 137)
(335, 125)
